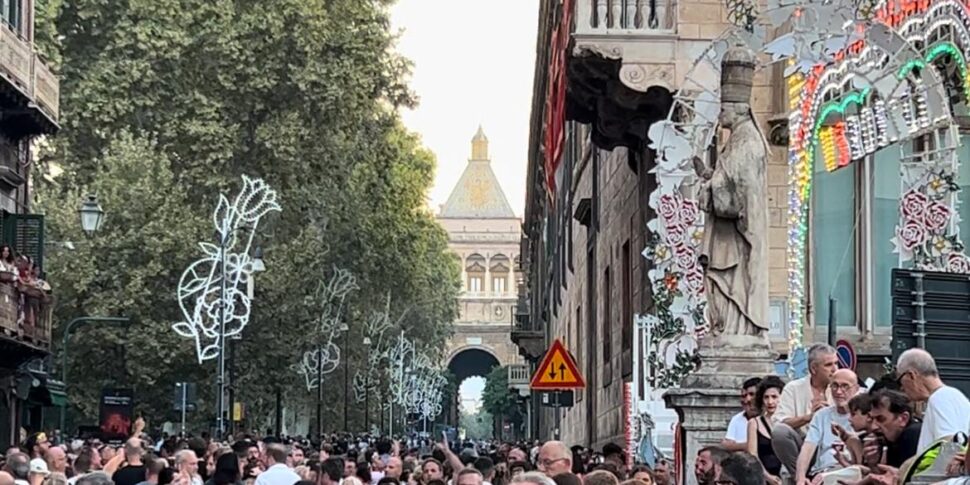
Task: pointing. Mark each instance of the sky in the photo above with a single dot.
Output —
(473, 65)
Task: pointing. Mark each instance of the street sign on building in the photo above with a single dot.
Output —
(558, 371)
(846, 354)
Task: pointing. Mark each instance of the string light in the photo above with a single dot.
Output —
(882, 122)
(853, 131)
(868, 123)
(841, 144)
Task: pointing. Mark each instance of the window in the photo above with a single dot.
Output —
(627, 289)
(12, 12)
(498, 284)
(834, 233)
(885, 176)
(963, 179)
(475, 284)
(607, 317)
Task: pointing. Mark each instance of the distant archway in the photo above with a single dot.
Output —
(466, 363)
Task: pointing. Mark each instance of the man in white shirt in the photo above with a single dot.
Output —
(736, 438)
(277, 473)
(946, 407)
(799, 402)
(821, 435)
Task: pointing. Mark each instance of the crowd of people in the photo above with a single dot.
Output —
(828, 427)
(824, 428)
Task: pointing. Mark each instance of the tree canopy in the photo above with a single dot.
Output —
(164, 104)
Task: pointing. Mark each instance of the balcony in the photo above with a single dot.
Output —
(624, 66)
(25, 315)
(519, 378)
(31, 94)
(528, 336)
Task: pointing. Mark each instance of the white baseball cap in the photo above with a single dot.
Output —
(39, 466)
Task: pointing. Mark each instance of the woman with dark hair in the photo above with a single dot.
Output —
(759, 427)
(227, 470)
(363, 472)
(7, 262)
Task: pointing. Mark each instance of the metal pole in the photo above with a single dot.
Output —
(221, 380)
(183, 386)
(320, 393)
(367, 403)
(346, 381)
(832, 323)
(64, 348)
(231, 408)
(557, 433)
(279, 411)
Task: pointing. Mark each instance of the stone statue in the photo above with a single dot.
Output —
(733, 193)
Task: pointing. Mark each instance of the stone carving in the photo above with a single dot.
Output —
(734, 250)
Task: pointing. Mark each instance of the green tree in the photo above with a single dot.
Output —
(499, 400)
(164, 104)
(477, 425)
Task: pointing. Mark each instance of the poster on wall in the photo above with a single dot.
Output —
(115, 415)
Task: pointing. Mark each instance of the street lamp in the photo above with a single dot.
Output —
(92, 215)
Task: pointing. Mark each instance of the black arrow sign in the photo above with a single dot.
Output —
(552, 373)
(562, 370)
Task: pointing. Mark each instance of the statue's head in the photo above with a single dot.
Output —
(737, 81)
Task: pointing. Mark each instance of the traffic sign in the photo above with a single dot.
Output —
(558, 399)
(847, 358)
(557, 371)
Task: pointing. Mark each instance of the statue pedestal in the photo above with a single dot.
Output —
(708, 399)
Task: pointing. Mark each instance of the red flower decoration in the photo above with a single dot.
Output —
(670, 281)
(668, 209)
(677, 237)
(957, 263)
(911, 235)
(695, 280)
(936, 216)
(688, 212)
(687, 260)
(914, 205)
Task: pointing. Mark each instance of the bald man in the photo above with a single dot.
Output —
(843, 385)
(555, 459)
(394, 468)
(56, 459)
(6, 478)
(946, 407)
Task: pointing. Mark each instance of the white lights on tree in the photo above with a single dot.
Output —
(367, 380)
(212, 291)
(325, 357)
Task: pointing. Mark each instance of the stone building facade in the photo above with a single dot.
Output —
(589, 183)
(484, 235)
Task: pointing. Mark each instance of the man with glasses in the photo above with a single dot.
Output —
(554, 459)
(825, 429)
(947, 409)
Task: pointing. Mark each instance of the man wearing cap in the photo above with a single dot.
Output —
(38, 471)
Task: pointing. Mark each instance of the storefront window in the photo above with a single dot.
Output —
(834, 239)
(885, 173)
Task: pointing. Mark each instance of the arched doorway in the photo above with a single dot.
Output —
(470, 366)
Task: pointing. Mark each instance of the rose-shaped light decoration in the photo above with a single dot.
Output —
(256, 199)
(688, 212)
(687, 261)
(957, 263)
(936, 216)
(695, 281)
(914, 205)
(911, 235)
(677, 236)
(668, 209)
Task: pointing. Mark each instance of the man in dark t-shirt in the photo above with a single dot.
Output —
(892, 419)
(133, 472)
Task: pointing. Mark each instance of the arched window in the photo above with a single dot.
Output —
(475, 268)
(499, 267)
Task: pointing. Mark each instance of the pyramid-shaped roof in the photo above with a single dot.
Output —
(477, 195)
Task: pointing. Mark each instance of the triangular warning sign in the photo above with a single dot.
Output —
(557, 371)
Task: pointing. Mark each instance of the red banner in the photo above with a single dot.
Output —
(556, 96)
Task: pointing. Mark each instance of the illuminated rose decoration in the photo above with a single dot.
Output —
(688, 212)
(914, 205)
(911, 235)
(677, 236)
(957, 263)
(687, 260)
(668, 209)
(936, 216)
(695, 281)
